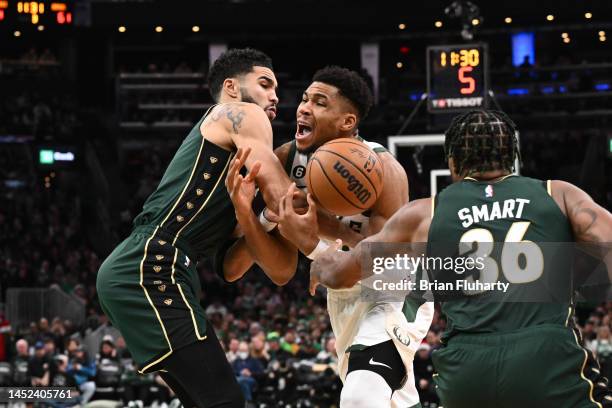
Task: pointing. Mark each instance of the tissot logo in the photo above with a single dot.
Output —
(448, 103)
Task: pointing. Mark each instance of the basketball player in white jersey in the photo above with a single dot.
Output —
(374, 372)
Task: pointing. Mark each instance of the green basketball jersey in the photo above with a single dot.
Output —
(489, 218)
(191, 202)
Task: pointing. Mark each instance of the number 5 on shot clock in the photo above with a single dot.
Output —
(457, 77)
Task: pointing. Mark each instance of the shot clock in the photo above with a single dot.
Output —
(456, 77)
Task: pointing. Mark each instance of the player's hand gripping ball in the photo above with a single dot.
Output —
(345, 176)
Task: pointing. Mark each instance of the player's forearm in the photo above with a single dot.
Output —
(339, 270)
(274, 256)
(237, 261)
(331, 229)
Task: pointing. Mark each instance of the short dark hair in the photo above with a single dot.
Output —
(350, 85)
(232, 63)
(482, 140)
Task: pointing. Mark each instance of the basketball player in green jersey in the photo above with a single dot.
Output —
(149, 285)
(502, 355)
(372, 370)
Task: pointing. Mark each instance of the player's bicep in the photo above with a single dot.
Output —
(590, 221)
(394, 194)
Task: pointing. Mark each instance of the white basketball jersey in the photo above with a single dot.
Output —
(355, 321)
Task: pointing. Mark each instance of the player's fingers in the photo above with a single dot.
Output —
(237, 184)
(271, 215)
(281, 208)
(312, 206)
(289, 197)
(254, 171)
(314, 282)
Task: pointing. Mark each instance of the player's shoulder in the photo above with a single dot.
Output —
(283, 151)
(239, 113)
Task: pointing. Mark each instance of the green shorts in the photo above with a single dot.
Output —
(542, 366)
(150, 290)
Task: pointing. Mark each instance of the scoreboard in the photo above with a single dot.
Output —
(36, 12)
(457, 77)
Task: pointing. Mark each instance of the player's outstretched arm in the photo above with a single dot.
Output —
(249, 127)
(337, 269)
(274, 255)
(590, 222)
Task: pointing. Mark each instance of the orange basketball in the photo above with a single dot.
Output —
(345, 176)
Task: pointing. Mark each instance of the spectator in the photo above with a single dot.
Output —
(39, 366)
(21, 366)
(274, 348)
(258, 351)
(232, 352)
(59, 377)
(423, 374)
(289, 344)
(84, 371)
(247, 369)
(50, 348)
(602, 348)
(329, 355)
(108, 371)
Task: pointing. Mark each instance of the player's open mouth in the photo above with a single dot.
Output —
(303, 131)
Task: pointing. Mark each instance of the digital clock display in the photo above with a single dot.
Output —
(36, 12)
(456, 77)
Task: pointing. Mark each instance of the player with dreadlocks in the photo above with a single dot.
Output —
(497, 354)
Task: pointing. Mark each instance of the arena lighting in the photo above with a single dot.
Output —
(402, 26)
(3, 4)
(17, 33)
(468, 14)
(602, 39)
(41, 28)
(1, 14)
(602, 33)
(566, 40)
(195, 28)
(399, 65)
(508, 20)
(159, 29)
(550, 17)
(438, 24)
(564, 35)
(121, 29)
(588, 15)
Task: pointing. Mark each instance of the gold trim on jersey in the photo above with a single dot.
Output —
(586, 357)
(489, 181)
(193, 319)
(569, 314)
(195, 165)
(146, 249)
(433, 206)
(549, 187)
(231, 156)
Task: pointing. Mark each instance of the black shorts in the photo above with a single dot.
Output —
(382, 359)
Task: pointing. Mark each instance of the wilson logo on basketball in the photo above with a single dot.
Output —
(361, 193)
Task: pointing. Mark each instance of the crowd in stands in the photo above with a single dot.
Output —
(45, 117)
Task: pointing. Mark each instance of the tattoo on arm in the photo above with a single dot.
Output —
(234, 114)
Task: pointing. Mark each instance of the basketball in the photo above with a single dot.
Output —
(345, 176)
